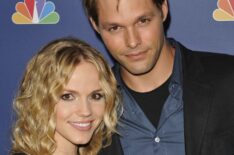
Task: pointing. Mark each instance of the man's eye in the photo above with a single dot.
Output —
(67, 97)
(97, 96)
(144, 21)
(113, 28)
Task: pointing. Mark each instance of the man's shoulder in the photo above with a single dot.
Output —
(209, 62)
(207, 56)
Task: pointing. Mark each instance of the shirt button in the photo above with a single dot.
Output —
(157, 139)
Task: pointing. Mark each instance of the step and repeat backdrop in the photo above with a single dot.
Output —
(26, 25)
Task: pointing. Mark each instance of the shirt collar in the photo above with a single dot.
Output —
(176, 76)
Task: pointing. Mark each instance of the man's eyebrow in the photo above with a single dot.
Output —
(147, 14)
(110, 24)
(141, 16)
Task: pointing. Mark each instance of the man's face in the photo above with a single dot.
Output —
(132, 30)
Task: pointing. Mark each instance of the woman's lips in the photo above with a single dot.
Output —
(82, 126)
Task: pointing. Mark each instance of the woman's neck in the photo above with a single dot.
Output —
(64, 146)
(65, 151)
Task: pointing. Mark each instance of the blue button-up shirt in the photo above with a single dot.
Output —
(138, 135)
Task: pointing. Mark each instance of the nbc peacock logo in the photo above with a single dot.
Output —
(35, 12)
(225, 11)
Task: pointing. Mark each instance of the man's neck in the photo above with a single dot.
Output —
(156, 77)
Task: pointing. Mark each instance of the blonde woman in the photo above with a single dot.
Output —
(67, 102)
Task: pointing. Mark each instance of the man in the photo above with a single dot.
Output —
(176, 102)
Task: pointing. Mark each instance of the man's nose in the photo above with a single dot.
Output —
(132, 37)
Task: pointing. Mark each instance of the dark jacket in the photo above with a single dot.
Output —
(208, 94)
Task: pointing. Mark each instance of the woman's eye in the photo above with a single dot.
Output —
(97, 96)
(67, 97)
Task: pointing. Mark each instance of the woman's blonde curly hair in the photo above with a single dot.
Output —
(44, 79)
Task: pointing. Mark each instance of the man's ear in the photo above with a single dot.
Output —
(94, 24)
(164, 10)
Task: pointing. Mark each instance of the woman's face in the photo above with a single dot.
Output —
(81, 107)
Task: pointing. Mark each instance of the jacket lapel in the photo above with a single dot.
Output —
(197, 102)
(197, 97)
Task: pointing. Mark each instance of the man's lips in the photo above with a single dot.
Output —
(136, 55)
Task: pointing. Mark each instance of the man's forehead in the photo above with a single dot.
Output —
(114, 4)
(117, 5)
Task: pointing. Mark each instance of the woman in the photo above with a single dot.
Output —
(67, 102)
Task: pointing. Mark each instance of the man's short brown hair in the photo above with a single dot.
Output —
(91, 8)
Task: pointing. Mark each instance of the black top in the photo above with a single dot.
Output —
(152, 102)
